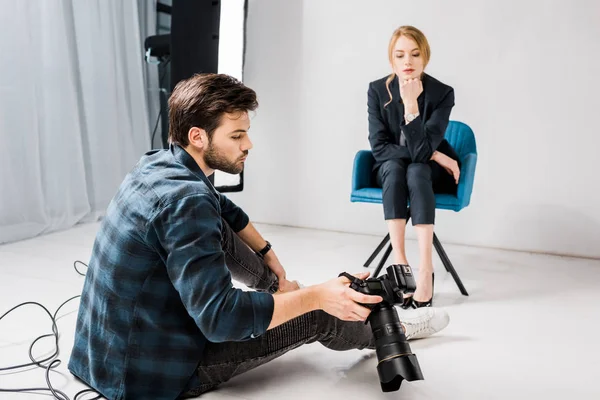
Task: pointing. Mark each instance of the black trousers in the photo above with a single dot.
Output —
(402, 180)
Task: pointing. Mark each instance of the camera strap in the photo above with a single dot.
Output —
(347, 275)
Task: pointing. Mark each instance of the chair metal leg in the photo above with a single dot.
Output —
(448, 265)
(382, 261)
(377, 250)
(445, 266)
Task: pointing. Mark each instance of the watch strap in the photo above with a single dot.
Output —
(264, 250)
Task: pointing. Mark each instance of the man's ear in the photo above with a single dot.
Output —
(198, 138)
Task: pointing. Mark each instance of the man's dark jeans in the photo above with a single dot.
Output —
(222, 361)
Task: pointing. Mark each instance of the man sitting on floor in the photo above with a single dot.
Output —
(159, 317)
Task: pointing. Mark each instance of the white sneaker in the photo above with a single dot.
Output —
(422, 322)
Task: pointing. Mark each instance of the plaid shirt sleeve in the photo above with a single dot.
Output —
(189, 232)
(235, 216)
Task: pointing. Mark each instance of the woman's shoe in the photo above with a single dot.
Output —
(429, 303)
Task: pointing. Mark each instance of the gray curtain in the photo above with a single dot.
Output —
(73, 110)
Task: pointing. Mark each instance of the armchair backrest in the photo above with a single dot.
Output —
(461, 138)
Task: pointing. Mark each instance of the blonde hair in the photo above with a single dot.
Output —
(412, 33)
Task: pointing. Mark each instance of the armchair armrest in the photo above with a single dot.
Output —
(363, 167)
(467, 177)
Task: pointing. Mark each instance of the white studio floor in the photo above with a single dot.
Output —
(528, 330)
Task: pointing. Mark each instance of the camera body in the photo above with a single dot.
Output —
(399, 280)
(396, 360)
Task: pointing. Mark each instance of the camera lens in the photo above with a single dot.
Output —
(396, 360)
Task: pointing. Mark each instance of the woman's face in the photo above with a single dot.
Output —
(407, 59)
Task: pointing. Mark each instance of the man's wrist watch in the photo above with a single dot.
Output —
(410, 117)
(264, 250)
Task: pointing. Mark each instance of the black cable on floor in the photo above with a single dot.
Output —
(75, 266)
(55, 361)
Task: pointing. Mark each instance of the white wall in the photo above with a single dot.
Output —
(527, 80)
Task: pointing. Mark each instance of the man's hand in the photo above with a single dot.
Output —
(274, 265)
(287, 286)
(449, 164)
(336, 298)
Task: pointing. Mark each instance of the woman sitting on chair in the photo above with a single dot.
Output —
(408, 115)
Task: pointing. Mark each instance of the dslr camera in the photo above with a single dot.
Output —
(396, 362)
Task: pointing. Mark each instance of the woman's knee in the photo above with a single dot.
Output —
(418, 173)
(392, 170)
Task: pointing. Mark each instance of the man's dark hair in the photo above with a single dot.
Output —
(202, 100)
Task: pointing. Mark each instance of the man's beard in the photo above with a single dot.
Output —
(215, 160)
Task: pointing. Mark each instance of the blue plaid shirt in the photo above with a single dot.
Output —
(157, 288)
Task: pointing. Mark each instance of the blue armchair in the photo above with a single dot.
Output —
(364, 190)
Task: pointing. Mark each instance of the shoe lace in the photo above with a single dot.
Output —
(416, 327)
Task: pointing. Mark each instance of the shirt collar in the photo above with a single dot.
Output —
(185, 159)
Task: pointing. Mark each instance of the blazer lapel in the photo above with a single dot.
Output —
(421, 101)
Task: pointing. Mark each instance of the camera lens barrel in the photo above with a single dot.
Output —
(396, 360)
(388, 333)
